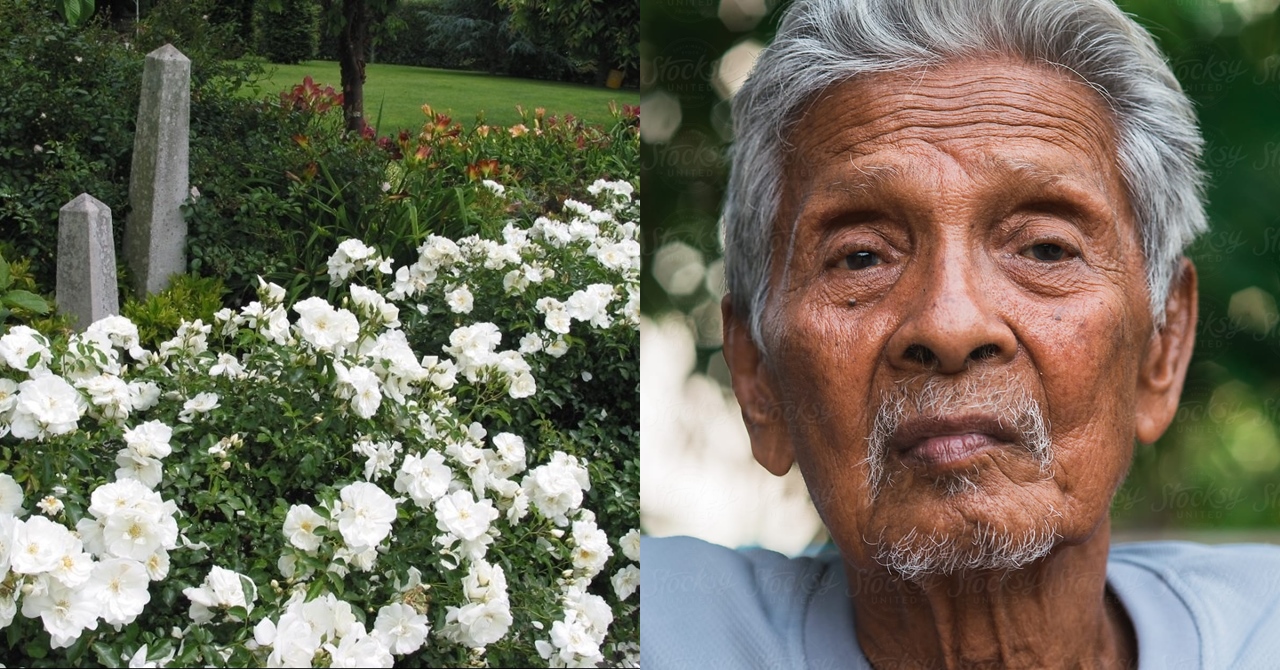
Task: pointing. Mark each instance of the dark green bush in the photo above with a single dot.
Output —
(290, 34)
(460, 35)
(66, 115)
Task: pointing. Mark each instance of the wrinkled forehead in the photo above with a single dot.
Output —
(995, 115)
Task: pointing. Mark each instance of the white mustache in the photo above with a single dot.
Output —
(978, 393)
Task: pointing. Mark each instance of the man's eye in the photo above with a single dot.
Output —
(861, 260)
(1046, 252)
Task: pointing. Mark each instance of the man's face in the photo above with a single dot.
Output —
(957, 275)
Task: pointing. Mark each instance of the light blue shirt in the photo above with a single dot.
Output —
(705, 606)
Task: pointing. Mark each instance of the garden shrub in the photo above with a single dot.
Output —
(286, 31)
(460, 35)
(66, 112)
(187, 298)
(17, 300)
(432, 467)
(291, 203)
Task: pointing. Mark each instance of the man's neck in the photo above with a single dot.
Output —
(1054, 613)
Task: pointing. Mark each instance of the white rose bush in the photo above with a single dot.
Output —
(436, 464)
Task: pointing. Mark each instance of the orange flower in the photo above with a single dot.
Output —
(518, 130)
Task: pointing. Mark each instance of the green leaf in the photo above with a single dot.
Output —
(5, 279)
(26, 300)
(316, 589)
(37, 648)
(106, 654)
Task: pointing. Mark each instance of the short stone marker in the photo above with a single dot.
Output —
(86, 283)
(156, 234)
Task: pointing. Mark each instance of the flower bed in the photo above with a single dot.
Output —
(438, 465)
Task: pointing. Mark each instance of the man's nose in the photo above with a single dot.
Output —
(954, 321)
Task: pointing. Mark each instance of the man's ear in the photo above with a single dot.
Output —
(1165, 367)
(754, 387)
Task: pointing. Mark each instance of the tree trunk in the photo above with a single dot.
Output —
(353, 44)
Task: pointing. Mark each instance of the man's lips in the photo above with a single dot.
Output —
(948, 443)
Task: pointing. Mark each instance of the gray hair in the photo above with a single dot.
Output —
(824, 42)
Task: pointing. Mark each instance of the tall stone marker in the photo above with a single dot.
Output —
(86, 287)
(156, 235)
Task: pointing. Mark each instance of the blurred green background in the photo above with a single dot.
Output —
(1219, 464)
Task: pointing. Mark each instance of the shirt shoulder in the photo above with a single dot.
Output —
(1231, 592)
(704, 605)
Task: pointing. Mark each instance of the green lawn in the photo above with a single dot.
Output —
(397, 92)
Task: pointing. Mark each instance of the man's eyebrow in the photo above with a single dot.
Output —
(866, 178)
(1042, 175)
(1089, 191)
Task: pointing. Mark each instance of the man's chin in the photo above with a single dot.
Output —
(961, 522)
(919, 554)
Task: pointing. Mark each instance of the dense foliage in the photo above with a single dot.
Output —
(440, 464)
(286, 31)
(467, 35)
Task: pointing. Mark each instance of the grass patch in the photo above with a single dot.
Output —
(397, 93)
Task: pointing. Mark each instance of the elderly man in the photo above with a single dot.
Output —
(954, 235)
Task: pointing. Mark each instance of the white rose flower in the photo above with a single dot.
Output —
(401, 629)
(46, 406)
(300, 526)
(484, 582)
(295, 642)
(147, 470)
(65, 611)
(510, 447)
(630, 544)
(558, 348)
(531, 343)
(575, 643)
(50, 505)
(23, 348)
(625, 581)
(222, 588)
(350, 254)
(359, 651)
(228, 366)
(157, 565)
(591, 548)
(120, 587)
(514, 282)
(379, 456)
(556, 487)
(362, 386)
(459, 513)
(366, 515)
(134, 534)
(8, 397)
(326, 328)
(460, 300)
(120, 331)
(591, 304)
(39, 545)
(150, 439)
(577, 207)
(479, 624)
(10, 495)
(143, 395)
(558, 321)
(522, 386)
(201, 403)
(425, 478)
